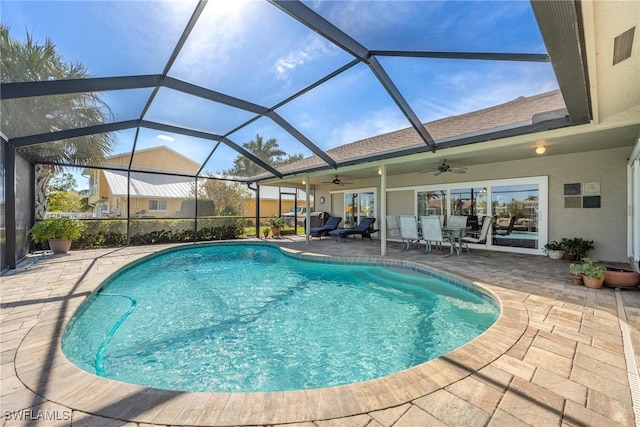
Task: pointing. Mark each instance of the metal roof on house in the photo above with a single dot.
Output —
(178, 187)
(150, 185)
(268, 192)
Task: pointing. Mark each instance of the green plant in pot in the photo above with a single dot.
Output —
(575, 248)
(58, 232)
(593, 274)
(576, 272)
(277, 224)
(553, 249)
(266, 231)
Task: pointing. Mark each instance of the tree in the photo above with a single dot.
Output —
(268, 151)
(64, 201)
(63, 182)
(228, 197)
(32, 61)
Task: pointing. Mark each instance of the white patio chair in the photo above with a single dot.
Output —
(486, 226)
(393, 227)
(409, 231)
(431, 231)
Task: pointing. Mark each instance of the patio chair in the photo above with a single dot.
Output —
(393, 228)
(508, 230)
(458, 221)
(409, 231)
(431, 231)
(331, 224)
(486, 225)
(363, 229)
(502, 231)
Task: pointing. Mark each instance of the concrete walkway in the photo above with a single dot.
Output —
(555, 357)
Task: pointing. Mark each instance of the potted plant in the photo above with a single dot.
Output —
(593, 274)
(265, 232)
(58, 232)
(277, 224)
(575, 271)
(553, 249)
(575, 248)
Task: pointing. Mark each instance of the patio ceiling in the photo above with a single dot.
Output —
(210, 76)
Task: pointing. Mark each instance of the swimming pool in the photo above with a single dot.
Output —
(249, 318)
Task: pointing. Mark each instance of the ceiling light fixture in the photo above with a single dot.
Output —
(379, 171)
(540, 149)
(304, 182)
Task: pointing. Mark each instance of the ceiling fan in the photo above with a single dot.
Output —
(337, 181)
(444, 167)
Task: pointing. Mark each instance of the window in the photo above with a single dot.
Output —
(432, 202)
(157, 205)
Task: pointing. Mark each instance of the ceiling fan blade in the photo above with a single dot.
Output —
(457, 170)
(437, 173)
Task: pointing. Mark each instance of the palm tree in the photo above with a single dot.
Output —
(267, 151)
(32, 61)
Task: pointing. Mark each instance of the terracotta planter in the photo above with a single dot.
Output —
(275, 231)
(576, 279)
(60, 246)
(616, 278)
(569, 257)
(592, 282)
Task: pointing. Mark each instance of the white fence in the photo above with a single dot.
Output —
(73, 215)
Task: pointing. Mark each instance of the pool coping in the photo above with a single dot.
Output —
(70, 386)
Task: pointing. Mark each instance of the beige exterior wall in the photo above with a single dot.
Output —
(267, 207)
(401, 202)
(163, 159)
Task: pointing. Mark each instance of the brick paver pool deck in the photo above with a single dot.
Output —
(556, 356)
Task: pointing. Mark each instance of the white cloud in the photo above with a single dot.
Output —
(314, 49)
(376, 123)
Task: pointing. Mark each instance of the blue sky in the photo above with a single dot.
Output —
(251, 50)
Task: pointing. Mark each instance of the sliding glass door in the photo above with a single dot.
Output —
(515, 209)
(518, 207)
(358, 205)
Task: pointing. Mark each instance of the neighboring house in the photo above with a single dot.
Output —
(155, 195)
(152, 195)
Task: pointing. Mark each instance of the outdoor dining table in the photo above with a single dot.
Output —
(453, 233)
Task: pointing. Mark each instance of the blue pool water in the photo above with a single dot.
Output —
(250, 318)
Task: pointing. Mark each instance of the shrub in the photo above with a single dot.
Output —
(56, 228)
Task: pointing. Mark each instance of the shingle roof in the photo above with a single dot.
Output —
(520, 111)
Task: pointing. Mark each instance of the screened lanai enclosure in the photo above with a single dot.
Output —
(195, 120)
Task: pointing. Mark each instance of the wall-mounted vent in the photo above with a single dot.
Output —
(622, 45)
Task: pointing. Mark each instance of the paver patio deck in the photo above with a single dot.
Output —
(555, 357)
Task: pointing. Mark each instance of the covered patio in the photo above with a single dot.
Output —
(559, 355)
